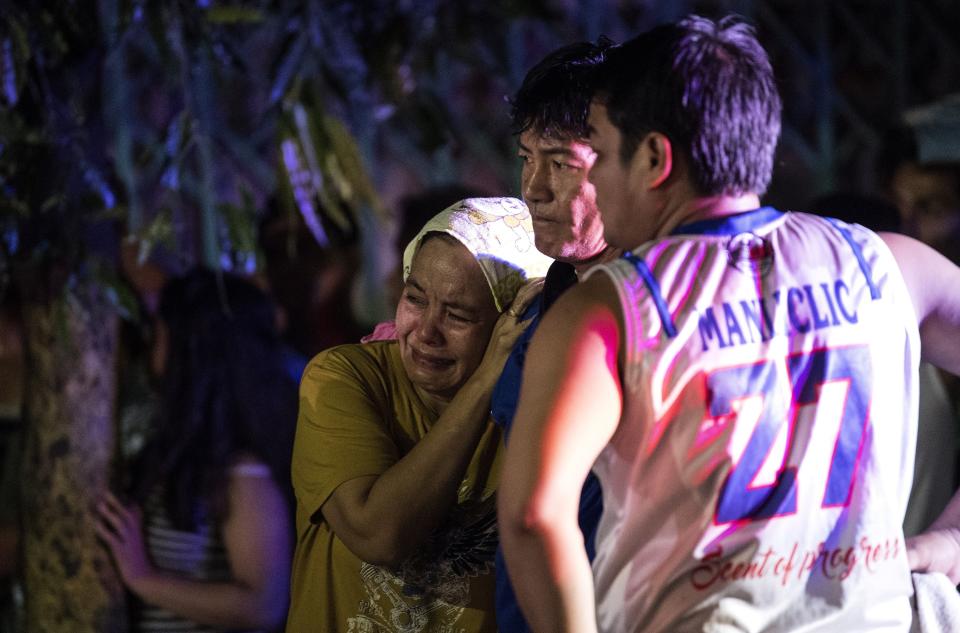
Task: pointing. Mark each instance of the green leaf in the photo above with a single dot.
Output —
(157, 232)
(241, 224)
(234, 15)
(348, 168)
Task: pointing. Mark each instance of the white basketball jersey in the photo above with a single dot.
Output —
(760, 473)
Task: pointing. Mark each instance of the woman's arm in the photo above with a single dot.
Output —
(385, 518)
(257, 536)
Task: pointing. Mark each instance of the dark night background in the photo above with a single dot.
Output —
(280, 138)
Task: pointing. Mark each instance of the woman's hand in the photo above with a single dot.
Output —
(121, 528)
(509, 327)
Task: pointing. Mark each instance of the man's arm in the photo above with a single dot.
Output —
(938, 548)
(934, 284)
(570, 403)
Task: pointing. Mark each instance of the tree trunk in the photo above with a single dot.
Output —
(70, 585)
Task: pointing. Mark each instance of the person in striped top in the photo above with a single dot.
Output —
(204, 537)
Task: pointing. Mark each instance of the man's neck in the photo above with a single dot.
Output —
(607, 254)
(697, 209)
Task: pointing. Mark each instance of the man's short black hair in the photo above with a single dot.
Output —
(554, 99)
(709, 87)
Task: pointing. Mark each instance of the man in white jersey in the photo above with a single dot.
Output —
(742, 382)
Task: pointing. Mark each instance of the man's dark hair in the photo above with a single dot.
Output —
(709, 87)
(554, 98)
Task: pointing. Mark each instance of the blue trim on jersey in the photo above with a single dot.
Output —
(644, 271)
(744, 222)
(858, 253)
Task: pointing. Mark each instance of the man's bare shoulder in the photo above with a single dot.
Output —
(596, 290)
(590, 302)
(931, 278)
(910, 252)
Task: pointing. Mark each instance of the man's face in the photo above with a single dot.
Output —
(612, 182)
(563, 206)
(444, 318)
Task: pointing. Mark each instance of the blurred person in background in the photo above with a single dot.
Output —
(918, 169)
(311, 283)
(203, 539)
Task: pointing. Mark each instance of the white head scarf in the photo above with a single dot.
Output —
(498, 232)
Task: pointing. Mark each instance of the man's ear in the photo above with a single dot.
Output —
(656, 159)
